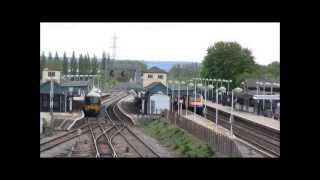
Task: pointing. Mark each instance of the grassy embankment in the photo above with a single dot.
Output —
(177, 139)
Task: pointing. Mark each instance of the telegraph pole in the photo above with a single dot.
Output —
(114, 46)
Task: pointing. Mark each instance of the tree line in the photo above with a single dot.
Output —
(82, 65)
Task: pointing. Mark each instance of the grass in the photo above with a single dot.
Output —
(177, 139)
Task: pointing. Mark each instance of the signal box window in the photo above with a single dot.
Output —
(51, 74)
(150, 76)
(160, 76)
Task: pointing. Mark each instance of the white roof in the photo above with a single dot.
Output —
(93, 94)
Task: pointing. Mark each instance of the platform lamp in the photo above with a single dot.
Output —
(229, 82)
(178, 83)
(195, 92)
(234, 91)
(211, 87)
(214, 80)
(199, 85)
(182, 83)
(273, 85)
(172, 90)
(187, 99)
(268, 84)
(222, 90)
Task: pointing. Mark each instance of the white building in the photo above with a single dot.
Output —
(158, 103)
(47, 75)
(152, 75)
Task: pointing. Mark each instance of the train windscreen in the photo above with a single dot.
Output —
(92, 100)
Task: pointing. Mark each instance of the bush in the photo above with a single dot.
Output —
(177, 139)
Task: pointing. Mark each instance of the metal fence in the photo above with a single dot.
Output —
(220, 142)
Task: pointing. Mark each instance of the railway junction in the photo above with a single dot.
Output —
(115, 133)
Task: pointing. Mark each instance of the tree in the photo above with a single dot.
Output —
(73, 64)
(81, 64)
(184, 71)
(57, 62)
(43, 63)
(65, 65)
(94, 65)
(273, 69)
(50, 61)
(227, 60)
(87, 68)
(103, 62)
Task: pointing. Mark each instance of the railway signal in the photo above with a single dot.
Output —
(237, 91)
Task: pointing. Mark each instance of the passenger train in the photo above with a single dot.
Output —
(192, 102)
(92, 103)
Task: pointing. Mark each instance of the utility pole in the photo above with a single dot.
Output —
(114, 46)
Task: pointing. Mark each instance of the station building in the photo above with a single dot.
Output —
(68, 93)
(154, 74)
(61, 98)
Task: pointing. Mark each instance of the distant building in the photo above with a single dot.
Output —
(47, 75)
(77, 88)
(152, 75)
(61, 99)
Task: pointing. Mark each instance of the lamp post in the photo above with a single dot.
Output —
(229, 82)
(264, 93)
(216, 88)
(236, 90)
(199, 85)
(276, 85)
(216, 110)
(183, 83)
(172, 91)
(258, 88)
(268, 84)
(211, 87)
(205, 98)
(195, 91)
(178, 83)
(187, 99)
(222, 90)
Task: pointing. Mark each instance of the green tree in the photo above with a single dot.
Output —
(65, 65)
(227, 60)
(184, 71)
(103, 62)
(57, 62)
(43, 63)
(87, 64)
(73, 64)
(273, 69)
(50, 63)
(94, 65)
(81, 64)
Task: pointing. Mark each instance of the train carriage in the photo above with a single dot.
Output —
(194, 102)
(92, 104)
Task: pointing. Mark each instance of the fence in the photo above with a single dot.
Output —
(220, 142)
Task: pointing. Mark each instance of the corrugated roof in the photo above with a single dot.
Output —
(155, 69)
(57, 89)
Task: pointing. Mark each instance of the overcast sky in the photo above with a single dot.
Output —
(160, 41)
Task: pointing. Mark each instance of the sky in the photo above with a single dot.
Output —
(159, 41)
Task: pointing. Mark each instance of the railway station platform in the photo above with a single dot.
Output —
(244, 148)
(205, 122)
(265, 121)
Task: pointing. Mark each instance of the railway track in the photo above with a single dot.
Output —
(263, 138)
(106, 135)
(101, 142)
(121, 123)
(44, 146)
